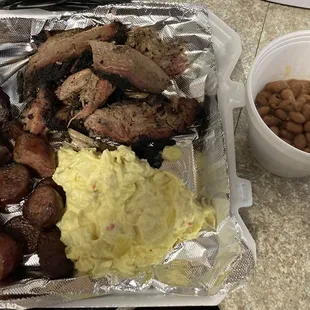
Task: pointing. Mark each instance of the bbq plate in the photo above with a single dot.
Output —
(222, 257)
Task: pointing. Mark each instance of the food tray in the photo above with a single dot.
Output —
(227, 46)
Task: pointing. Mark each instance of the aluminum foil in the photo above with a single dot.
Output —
(217, 261)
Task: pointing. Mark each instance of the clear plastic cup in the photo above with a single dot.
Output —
(284, 58)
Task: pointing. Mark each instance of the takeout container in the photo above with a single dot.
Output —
(284, 58)
(227, 46)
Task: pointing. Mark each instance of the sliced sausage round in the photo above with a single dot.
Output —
(44, 207)
(36, 153)
(23, 232)
(53, 260)
(15, 183)
(54, 185)
(10, 255)
(5, 155)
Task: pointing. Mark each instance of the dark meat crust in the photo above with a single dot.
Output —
(53, 260)
(23, 232)
(44, 207)
(115, 79)
(56, 187)
(151, 150)
(139, 70)
(36, 153)
(33, 115)
(87, 88)
(54, 35)
(127, 121)
(5, 110)
(10, 255)
(14, 130)
(5, 155)
(84, 61)
(57, 50)
(58, 119)
(52, 75)
(169, 56)
(71, 87)
(15, 183)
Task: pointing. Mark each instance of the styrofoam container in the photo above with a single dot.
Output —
(284, 58)
(227, 46)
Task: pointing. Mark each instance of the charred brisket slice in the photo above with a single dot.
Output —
(42, 37)
(60, 48)
(53, 75)
(129, 120)
(141, 72)
(170, 56)
(67, 45)
(86, 89)
(69, 90)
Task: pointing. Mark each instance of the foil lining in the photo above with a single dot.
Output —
(217, 261)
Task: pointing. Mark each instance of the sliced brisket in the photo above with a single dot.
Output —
(127, 121)
(122, 60)
(169, 56)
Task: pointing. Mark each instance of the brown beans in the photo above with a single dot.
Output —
(281, 114)
(299, 86)
(264, 110)
(297, 105)
(275, 100)
(293, 127)
(275, 130)
(262, 98)
(301, 99)
(300, 141)
(270, 120)
(284, 133)
(296, 89)
(306, 112)
(306, 126)
(276, 87)
(297, 117)
(284, 106)
(288, 94)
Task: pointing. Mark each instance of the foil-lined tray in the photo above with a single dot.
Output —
(217, 261)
